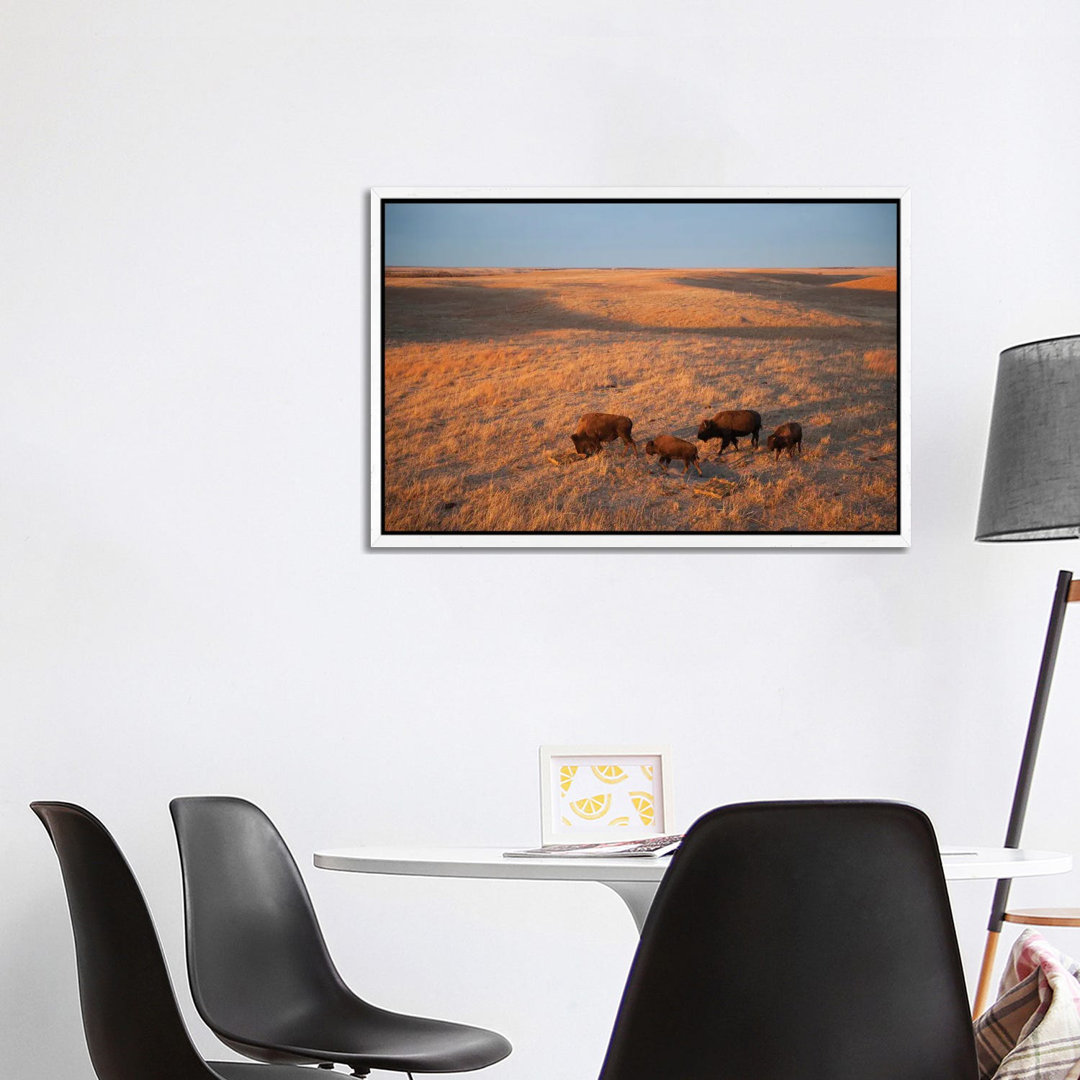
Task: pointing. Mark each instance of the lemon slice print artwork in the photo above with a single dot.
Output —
(643, 804)
(609, 774)
(592, 808)
(566, 777)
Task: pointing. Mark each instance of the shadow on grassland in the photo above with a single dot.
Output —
(865, 335)
(805, 290)
(468, 312)
(429, 313)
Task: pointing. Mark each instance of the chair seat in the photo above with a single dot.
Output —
(365, 1038)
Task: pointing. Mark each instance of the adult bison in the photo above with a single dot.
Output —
(596, 428)
(786, 437)
(668, 447)
(728, 425)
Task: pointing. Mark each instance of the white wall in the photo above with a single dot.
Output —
(187, 605)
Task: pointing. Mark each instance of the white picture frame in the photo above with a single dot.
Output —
(586, 792)
(452, 489)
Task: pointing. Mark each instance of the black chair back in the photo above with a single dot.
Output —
(132, 1022)
(259, 969)
(256, 954)
(798, 941)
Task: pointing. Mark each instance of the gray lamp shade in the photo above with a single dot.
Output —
(1031, 484)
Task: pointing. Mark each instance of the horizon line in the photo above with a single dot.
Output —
(681, 266)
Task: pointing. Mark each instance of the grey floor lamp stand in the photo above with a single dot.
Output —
(1066, 591)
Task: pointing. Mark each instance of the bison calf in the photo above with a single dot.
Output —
(728, 425)
(668, 447)
(596, 428)
(786, 437)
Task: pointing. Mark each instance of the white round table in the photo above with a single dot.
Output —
(636, 879)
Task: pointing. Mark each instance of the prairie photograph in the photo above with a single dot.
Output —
(657, 368)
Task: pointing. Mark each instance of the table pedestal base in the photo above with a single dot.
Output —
(637, 896)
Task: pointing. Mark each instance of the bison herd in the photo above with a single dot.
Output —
(595, 429)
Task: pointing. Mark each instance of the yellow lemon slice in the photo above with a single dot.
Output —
(619, 821)
(646, 771)
(566, 777)
(567, 821)
(643, 804)
(609, 774)
(595, 806)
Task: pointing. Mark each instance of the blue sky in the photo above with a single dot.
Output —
(679, 234)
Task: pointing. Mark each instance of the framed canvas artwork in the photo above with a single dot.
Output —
(639, 368)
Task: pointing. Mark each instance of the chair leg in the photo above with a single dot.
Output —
(983, 990)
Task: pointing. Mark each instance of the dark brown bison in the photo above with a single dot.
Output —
(786, 437)
(728, 425)
(668, 447)
(596, 428)
(586, 444)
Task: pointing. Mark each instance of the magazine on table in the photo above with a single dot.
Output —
(649, 847)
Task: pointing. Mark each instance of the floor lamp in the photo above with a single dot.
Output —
(1031, 491)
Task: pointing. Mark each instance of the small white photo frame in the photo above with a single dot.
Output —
(590, 794)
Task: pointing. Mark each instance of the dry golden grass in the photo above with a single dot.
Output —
(487, 372)
(881, 361)
(885, 282)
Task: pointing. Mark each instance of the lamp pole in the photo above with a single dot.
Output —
(1062, 595)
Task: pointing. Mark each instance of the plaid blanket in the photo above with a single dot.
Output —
(1032, 1031)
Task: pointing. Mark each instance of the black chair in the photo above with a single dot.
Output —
(258, 966)
(798, 941)
(133, 1026)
